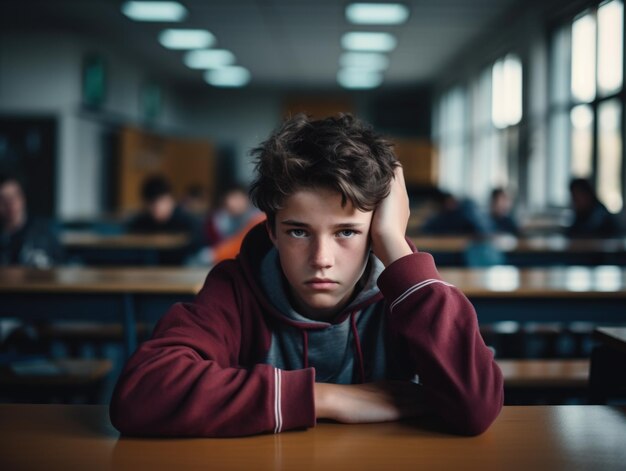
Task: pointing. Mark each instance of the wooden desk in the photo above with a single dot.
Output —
(592, 294)
(100, 294)
(522, 438)
(545, 373)
(529, 251)
(145, 249)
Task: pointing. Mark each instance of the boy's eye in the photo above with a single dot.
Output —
(297, 233)
(346, 233)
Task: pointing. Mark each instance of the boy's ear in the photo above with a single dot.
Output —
(270, 231)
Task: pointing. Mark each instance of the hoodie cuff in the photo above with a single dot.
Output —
(295, 399)
(406, 273)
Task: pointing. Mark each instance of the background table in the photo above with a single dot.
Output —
(92, 248)
(99, 294)
(544, 437)
(561, 294)
(526, 251)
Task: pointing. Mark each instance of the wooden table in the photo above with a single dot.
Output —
(564, 294)
(99, 294)
(106, 249)
(544, 437)
(527, 251)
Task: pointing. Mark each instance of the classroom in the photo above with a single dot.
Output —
(299, 234)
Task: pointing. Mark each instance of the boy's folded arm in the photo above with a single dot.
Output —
(187, 381)
(434, 330)
(380, 401)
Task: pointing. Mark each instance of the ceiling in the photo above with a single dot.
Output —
(284, 43)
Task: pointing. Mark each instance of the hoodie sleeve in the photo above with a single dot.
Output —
(434, 330)
(186, 380)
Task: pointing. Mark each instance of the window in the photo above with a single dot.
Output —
(586, 104)
(477, 130)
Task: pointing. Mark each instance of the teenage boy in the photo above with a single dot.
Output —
(327, 312)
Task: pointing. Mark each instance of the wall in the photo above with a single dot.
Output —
(40, 73)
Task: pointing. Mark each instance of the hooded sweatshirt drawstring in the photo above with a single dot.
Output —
(357, 344)
(305, 348)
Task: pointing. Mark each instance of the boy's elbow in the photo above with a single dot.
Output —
(478, 413)
(121, 417)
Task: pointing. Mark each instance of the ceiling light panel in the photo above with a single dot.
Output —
(208, 58)
(362, 41)
(233, 76)
(364, 60)
(186, 38)
(377, 13)
(154, 11)
(359, 79)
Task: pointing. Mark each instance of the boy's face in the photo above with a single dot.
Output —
(161, 208)
(323, 249)
(12, 205)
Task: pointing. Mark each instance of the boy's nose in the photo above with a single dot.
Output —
(321, 254)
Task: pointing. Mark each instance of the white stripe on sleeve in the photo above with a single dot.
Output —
(415, 288)
(278, 414)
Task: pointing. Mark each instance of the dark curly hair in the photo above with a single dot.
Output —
(338, 153)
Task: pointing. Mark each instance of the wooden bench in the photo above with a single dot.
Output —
(544, 381)
(43, 380)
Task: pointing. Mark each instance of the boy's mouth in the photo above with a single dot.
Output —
(321, 283)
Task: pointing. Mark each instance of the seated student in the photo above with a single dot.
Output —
(502, 220)
(328, 312)
(226, 226)
(195, 200)
(24, 239)
(162, 215)
(454, 216)
(591, 218)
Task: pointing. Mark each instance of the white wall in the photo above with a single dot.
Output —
(240, 118)
(40, 73)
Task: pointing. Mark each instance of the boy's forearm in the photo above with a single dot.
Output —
(434, 330)
(393, 250)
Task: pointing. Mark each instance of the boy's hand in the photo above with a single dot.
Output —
(370, 402)
(389, 223)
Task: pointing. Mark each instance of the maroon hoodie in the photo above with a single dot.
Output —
(202, 372)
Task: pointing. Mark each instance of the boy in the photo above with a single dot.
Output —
(24, 239)
(296, 329)
(162, 215)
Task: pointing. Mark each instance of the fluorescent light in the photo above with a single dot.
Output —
(379, 42)
(208, 58)
(154, 11)
(359, 79)
(364, 60)
(377, 13)
(186, 38)
(232, 76)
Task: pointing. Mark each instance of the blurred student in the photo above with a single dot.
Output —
(454, 216)
(502, 220)
(226, 226)
(591, 218)
(24, 239)
(195, 201)
(162, 215)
